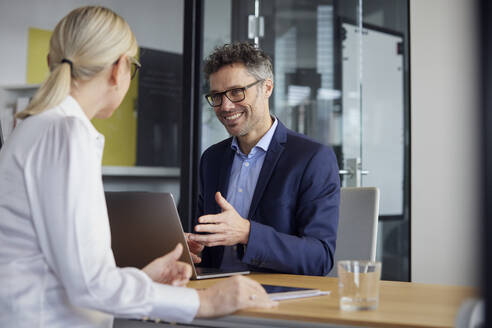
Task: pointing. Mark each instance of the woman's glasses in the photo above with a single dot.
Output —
(135, 66)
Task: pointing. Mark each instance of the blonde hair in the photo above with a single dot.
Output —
(88, 40)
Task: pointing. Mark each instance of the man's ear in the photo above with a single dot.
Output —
(268, 88)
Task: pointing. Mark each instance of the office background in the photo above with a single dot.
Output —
(444, 170)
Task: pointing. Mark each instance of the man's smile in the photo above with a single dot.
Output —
(232, 116)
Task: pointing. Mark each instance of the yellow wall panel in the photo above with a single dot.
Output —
(37, 54)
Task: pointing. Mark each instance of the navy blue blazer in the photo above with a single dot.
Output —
(294, 210)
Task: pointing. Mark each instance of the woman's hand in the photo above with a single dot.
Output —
(232, 294)
(168, 270)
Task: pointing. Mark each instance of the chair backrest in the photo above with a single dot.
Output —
(358, 225)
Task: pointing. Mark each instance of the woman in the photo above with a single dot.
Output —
(56, 264)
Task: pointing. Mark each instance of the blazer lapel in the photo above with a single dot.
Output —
(272, 156)
(225, 172)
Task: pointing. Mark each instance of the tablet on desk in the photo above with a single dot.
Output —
(278, 293)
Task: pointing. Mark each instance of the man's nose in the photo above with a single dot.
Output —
(226, 103)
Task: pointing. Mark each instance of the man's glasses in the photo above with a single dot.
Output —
(135, 67)
(234, 95)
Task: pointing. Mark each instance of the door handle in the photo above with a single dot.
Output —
(350, 172)
(353, 171)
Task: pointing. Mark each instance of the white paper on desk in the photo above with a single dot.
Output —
(278, 293)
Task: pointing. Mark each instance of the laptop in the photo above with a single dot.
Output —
(145, 226)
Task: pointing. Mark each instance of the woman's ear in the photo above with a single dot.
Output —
(118, 71)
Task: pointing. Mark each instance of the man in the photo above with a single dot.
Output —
(269, 197)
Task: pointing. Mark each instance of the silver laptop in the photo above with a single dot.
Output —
(145, 226)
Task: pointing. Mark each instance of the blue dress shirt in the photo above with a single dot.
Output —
(242, 183)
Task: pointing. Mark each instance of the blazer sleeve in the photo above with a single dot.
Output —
(308, 249)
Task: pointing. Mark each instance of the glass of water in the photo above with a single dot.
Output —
(358, 284)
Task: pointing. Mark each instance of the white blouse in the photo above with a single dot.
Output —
(56, 264)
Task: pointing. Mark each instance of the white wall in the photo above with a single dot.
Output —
(444, 105)
(157, 24)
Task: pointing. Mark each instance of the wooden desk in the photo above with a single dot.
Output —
(401, 304)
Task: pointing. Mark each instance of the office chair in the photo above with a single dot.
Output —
(357, 225)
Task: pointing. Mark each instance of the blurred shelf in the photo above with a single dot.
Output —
(141, 171)
(20, 87)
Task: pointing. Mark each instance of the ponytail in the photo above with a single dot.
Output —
(51, 92)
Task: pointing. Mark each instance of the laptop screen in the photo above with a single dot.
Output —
(144, 226)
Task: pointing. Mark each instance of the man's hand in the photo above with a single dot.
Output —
(226, 229)
(195, 248)
(168, 270)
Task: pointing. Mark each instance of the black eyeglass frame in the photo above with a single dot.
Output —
(224, 93)
(136, 66)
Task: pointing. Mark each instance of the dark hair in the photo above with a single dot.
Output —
(256, 61)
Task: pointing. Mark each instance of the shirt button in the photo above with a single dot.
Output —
(240, 190)
(246, 164)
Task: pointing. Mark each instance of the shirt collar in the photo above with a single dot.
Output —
(263, 143)
(71, 107)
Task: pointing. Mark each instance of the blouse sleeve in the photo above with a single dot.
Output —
(66, 197)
